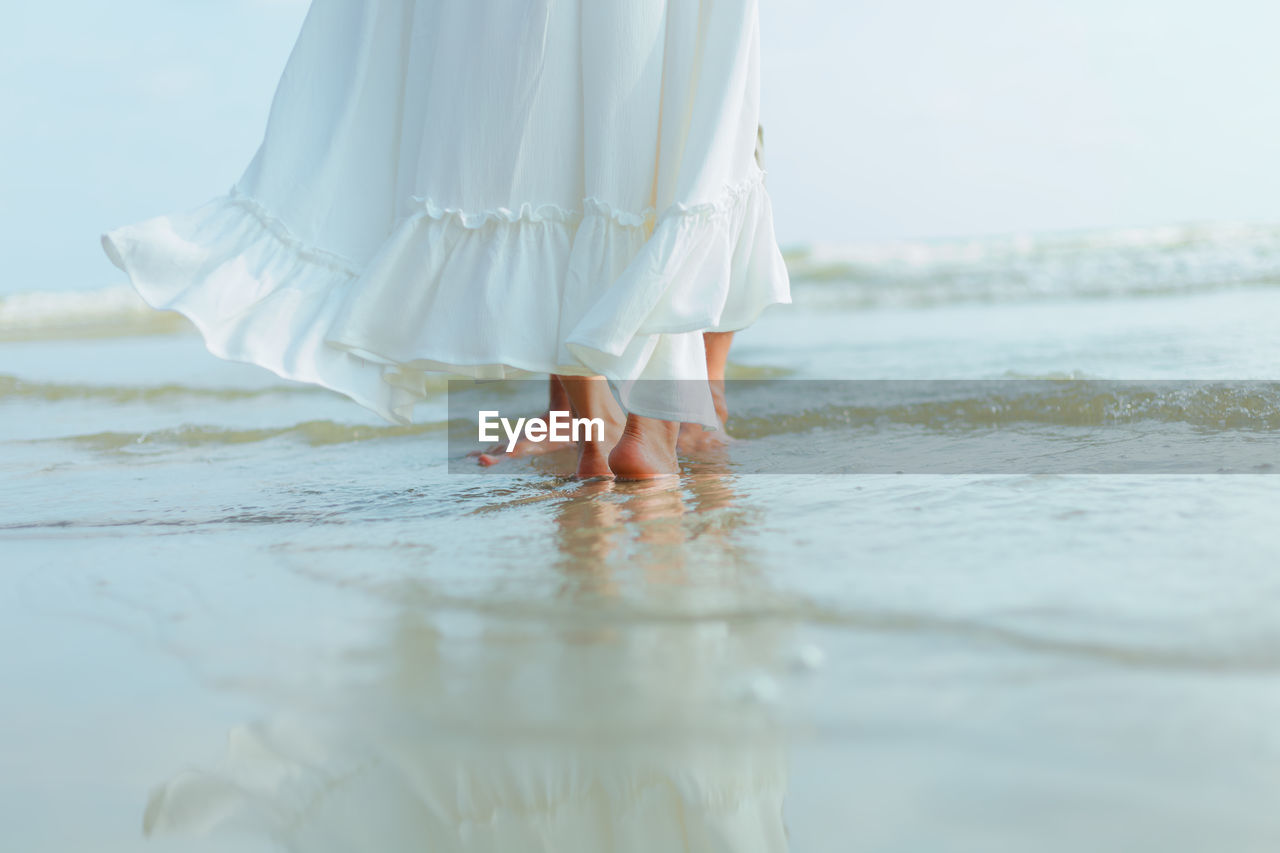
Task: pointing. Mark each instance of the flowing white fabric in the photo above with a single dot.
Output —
(491, 189)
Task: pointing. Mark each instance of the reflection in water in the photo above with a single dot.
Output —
(612, 717)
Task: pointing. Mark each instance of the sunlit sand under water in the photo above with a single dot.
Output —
(245, 615)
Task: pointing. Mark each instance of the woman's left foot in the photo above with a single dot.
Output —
(694, 439)
(524, 447)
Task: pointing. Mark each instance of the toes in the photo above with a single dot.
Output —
(485, 460)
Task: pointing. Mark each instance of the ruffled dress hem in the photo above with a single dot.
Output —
(494, 294)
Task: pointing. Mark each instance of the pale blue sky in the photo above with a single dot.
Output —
(886, 119)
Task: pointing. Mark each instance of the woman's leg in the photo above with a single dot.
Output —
(693, 438)
(590, 397)
(717, 346)
(642, 449)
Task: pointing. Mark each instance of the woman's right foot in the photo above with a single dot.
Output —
(646, 450)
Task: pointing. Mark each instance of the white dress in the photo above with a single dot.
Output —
(489, 188)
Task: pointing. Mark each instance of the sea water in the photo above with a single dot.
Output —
(242, 614)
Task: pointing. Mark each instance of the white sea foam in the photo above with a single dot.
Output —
(1093, 264)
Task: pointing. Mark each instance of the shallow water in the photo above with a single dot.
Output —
(243, 614)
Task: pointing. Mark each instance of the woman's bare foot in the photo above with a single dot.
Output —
(646, 450)
(557, 401)
(523, 447)
(590, 397)
(695, 439)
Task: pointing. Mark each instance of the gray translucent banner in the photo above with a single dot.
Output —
(1007, 426)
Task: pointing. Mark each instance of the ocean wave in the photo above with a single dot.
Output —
(14, 387)
(955, 405)
(106, 312)
(1098, 264)
(315, 433)
(781, 407)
